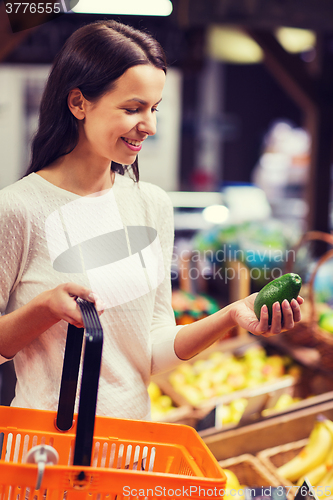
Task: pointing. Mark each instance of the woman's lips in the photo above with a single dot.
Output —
(133, 147)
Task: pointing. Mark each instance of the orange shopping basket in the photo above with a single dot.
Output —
(48, 455)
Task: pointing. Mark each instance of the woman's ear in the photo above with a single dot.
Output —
(76, 103)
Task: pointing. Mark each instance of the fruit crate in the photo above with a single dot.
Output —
(255, 401)
(236, 346)
(184, 414)
(250, 471)
(273, 458)
(262, 435)
(311, 386)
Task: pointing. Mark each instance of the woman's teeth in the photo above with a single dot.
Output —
(133, 143)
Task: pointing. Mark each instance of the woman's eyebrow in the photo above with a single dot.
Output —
(141, 101)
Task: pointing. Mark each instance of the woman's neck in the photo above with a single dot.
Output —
(78, 176)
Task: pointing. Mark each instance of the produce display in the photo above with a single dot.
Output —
(315, 460)
(190, 307)
(260, 245)
(251, 382)
(223, 373)
(286, 286)
(161, 404)
(231, 413)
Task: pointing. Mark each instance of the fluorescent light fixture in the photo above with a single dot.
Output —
(231, 44)
(217, 214)
(296, 40)
(125, 7)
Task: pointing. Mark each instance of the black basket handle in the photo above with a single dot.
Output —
(70, 375)
(89, 385)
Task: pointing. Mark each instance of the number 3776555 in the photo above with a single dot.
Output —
(33, 8)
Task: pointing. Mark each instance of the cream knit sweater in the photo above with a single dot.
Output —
(39, 225)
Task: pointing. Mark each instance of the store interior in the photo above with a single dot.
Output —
(244, 150)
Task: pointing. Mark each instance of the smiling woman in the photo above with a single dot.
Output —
(76, 226)
(95, 61)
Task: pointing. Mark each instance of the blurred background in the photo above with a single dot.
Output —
(245, 128)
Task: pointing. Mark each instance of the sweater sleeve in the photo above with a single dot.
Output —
(14, 244)
(164, 329)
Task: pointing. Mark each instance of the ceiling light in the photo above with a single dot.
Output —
(296, 40)
(125, 7)
(231, 44)
(217, 214)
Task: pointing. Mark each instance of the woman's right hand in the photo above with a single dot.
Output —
(62, 305)
(21, 327)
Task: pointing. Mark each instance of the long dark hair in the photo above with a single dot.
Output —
(92, 59)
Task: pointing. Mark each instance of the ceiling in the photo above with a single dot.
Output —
(265, 14)
(179, 33)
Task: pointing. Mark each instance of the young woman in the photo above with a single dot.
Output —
(76, 226)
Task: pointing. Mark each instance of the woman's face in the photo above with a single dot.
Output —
(115, 126)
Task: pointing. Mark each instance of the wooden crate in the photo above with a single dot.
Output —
(180, 415)
(273, 458)
(236, 345)
(275, 431)
(184, 412)
(251, 472)
(310, 382)
(184, 415)
(312, 386)
(228, 345)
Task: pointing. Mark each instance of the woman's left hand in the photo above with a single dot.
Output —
(244, 315)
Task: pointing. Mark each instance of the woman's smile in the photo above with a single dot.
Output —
(132, 144)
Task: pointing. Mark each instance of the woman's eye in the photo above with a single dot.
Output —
(136, 110)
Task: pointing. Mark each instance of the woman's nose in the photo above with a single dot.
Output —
(148, 124)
